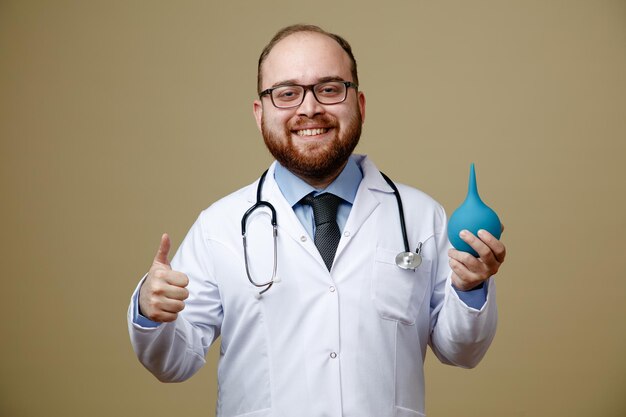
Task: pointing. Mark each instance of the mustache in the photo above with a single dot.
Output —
(323, 120)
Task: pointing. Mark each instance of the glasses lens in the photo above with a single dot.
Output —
(330, 93)
(287, 96)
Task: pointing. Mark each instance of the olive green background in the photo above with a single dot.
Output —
(120, 120)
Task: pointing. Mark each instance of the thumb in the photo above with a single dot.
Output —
(164, 250)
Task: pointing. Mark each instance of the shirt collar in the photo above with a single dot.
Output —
(344, 186)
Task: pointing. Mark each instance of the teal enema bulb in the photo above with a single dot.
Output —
(472, 215)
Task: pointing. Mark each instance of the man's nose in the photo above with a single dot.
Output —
(310, 106)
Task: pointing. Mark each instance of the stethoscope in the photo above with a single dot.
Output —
(404, 260)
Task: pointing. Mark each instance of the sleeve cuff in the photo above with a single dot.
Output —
(474, 298)
(138, 319)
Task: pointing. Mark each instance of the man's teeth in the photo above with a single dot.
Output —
(311, 132)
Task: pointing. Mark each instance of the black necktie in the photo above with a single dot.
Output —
(327, 233)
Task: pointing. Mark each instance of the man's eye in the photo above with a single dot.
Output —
(286, 94)
(328, 90)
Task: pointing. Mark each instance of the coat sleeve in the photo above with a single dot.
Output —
(175, 351)
(460, 335)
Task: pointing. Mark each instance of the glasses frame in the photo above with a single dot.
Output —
(309, 87)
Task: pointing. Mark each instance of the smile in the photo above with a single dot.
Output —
(311, 132)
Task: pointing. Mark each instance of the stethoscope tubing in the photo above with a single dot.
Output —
(244, 220)
(405, 239)
(261, 203)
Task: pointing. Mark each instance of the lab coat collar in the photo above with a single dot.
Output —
(269, 183)
(371, 175)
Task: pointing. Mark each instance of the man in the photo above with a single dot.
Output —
(341, 330)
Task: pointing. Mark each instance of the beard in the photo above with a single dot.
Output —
(314, 160)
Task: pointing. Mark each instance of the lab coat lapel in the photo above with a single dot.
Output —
(366, 201)
(288, 223)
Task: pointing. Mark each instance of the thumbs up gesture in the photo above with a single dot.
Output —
(163, 293)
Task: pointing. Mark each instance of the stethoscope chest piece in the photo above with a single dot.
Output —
(408, 260)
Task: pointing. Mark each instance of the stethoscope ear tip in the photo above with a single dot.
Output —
(257, 295)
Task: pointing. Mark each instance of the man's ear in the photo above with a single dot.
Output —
(257, 108)
(362, 106)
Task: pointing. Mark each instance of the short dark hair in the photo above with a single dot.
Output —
(290, 30)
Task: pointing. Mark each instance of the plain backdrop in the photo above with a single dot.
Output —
(120, 120)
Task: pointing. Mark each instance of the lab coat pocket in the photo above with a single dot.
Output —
(398, 293)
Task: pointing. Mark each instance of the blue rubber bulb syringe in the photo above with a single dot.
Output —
(473, 215)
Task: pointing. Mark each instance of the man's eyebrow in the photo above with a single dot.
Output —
(285, 82)
(331, 78)
(319, 80)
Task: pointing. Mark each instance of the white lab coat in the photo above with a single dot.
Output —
(346, 343)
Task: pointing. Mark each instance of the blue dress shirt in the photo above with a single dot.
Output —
(294, 189)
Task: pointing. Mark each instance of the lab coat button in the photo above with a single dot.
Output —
(346, 233)
(333, 355)
(332, 288)
(303, 238)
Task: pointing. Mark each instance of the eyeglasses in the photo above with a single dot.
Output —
(288, 96)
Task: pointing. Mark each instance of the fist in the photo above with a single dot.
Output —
(162, 295)
(468, 271)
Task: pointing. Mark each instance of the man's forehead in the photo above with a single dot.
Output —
(305, 55)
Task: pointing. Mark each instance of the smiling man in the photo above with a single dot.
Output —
(316, 316)
(311, 139)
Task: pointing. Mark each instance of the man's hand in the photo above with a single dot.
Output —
(163, 292)
(467, 271)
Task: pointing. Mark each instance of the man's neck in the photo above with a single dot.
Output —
(321, 183)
